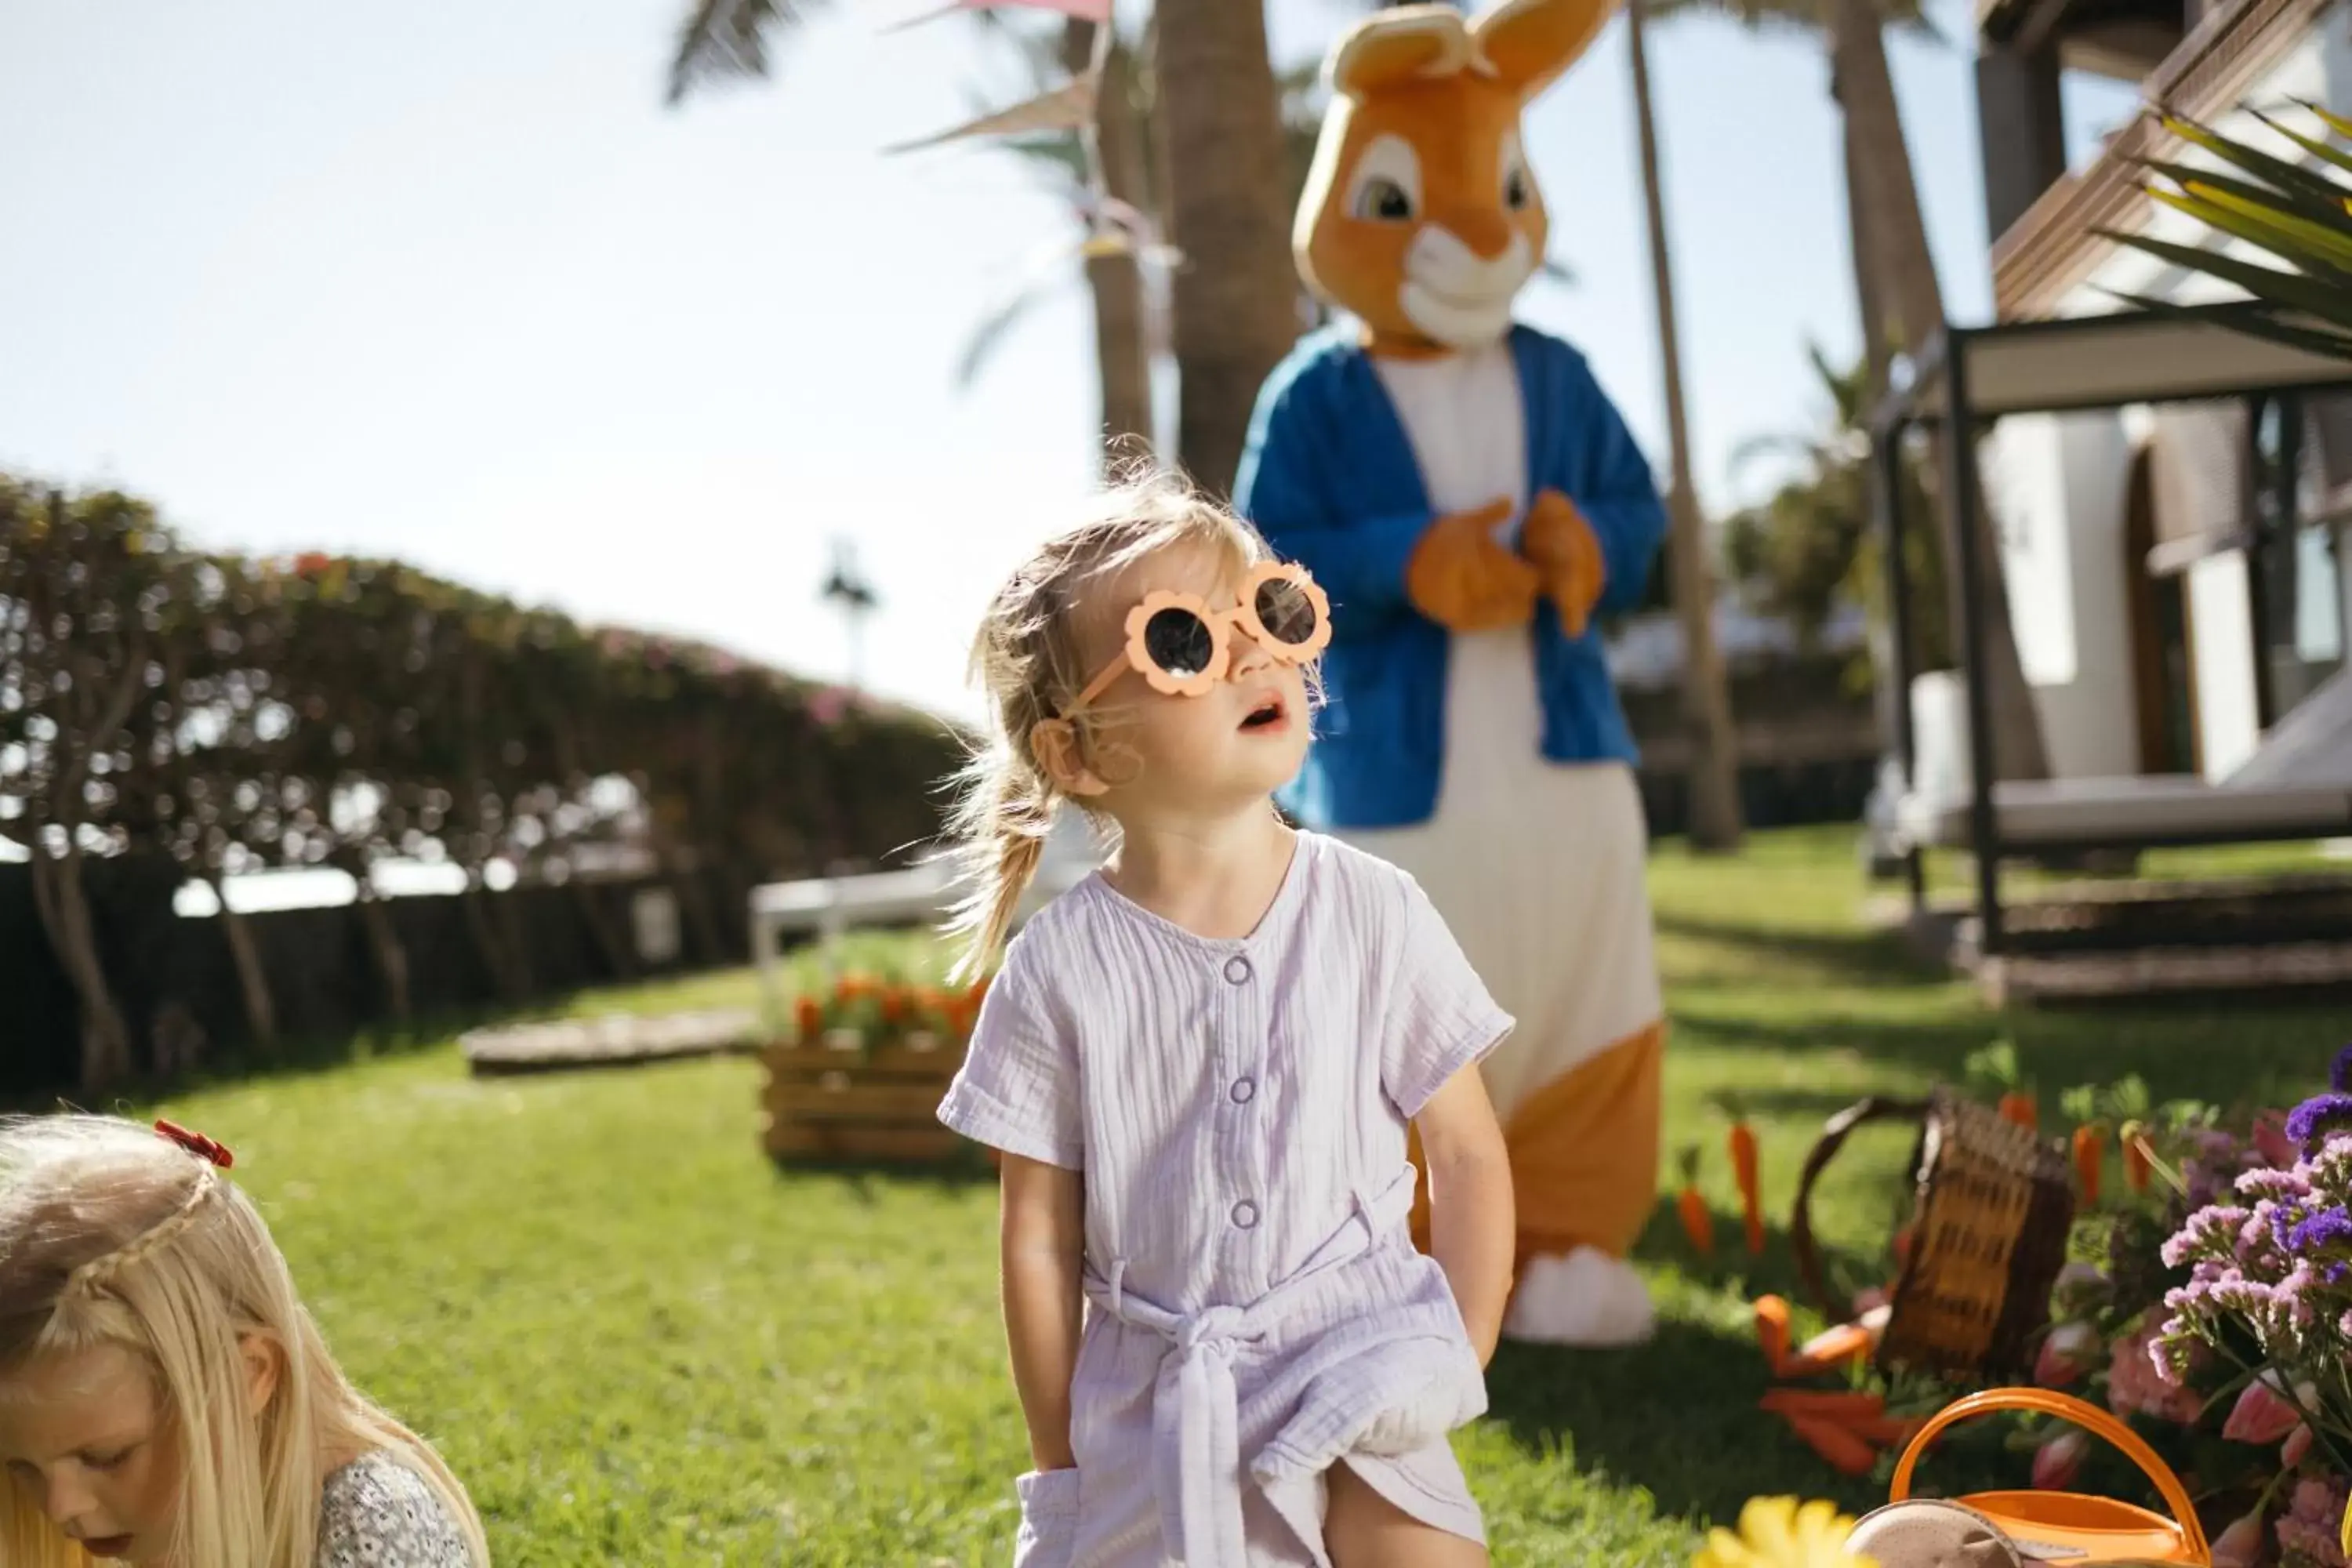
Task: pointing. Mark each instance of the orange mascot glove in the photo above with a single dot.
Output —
(1567, 553)
(1462, 579)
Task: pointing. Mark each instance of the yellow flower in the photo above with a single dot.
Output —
(1775, 1532)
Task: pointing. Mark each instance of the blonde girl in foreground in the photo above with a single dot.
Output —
(1199, 1065)
(165, 1398)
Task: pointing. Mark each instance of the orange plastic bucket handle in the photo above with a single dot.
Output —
(2090, 1418)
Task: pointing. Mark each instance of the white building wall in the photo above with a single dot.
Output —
(2057, 487)
(2090, 717)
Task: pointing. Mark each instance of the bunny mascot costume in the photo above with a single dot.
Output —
(1472, 502)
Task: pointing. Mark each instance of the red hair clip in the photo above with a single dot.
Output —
(196, 1143)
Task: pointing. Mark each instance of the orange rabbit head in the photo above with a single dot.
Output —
(1420, 214)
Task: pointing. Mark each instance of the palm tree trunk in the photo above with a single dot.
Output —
(391, 957)
(252, 980)
(64, 906)
(1235, 291)
(1878, 361)
(1907, 269)
(1122, 360)
(1714, 780)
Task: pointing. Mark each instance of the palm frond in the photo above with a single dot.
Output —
(728, 39)
(2259, 323)
(2295, 214)
(999, 323)
(2271, 284)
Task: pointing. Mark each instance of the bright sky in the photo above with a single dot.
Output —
(446, 280)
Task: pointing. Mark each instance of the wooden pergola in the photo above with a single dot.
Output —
(1974, 376)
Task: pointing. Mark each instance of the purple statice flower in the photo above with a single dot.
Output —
(2278, 1186)
(2329, 1228)
(2309, 1122)
(2330, 1170)
(2339, 1074)
(2208, 1233)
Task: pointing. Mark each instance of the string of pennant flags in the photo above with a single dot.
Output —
(1114, 227)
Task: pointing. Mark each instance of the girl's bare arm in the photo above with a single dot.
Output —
(1473, 1229)
(1044, 1236)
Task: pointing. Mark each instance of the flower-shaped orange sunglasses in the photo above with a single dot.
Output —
(1183, 647)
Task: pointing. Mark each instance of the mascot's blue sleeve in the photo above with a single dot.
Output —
(1617, 494)
(1311, 497)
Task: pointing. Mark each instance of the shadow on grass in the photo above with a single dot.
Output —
(1730, 1265)
(866, 1180)
(294, 1056)
(2219, 1054)
(1676, 1416)
(1862, 958)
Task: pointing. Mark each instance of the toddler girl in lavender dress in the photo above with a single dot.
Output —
(1200, 1066)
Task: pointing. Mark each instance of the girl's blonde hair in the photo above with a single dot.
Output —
(111, 1235)
(1031, 658)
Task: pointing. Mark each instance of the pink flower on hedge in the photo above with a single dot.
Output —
(2070, 1351)
(2059, 1460)
(2261, 1415)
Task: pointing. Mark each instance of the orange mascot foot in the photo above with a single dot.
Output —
(1584, 1174)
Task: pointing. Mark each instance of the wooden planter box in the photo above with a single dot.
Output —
(831, 1100)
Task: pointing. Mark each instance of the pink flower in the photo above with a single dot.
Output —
(2070, 1351)
(2133, 1386)
(2308, 1527)
(2261, 1415)
(2059, 1460)
(2271, 1141)
(2240, 1545)
(2297, 1445)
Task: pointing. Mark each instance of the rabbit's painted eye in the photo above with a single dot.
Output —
(1519, 185)
(1385, 186)
(1384, 200)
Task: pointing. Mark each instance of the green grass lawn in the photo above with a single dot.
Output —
(641, 1343)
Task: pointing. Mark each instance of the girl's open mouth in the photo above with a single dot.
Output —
(1267, 715)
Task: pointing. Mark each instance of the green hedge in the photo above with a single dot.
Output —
(248, 715)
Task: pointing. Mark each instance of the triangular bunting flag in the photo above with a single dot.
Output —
(1065, 107)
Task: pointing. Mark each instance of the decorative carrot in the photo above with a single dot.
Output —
(1698, 1220)
(2136, 1168)
(1892, 1430)
(809, 1016)
(2090, 1155)
(894, 1006)
(1772, 1331)
(2018, 1106)
(1850, 1454)
(1743, 1171)
(1824, 1405)
(1828, 1349)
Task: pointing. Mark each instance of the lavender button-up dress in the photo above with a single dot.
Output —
(1256, 1311)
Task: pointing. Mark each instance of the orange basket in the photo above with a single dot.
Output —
(2062, 1527)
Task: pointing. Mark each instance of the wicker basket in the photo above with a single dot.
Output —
(833, 1099)
(1988, 1237)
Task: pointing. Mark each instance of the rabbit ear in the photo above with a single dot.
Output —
(1528, 43)
(1397, 45)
